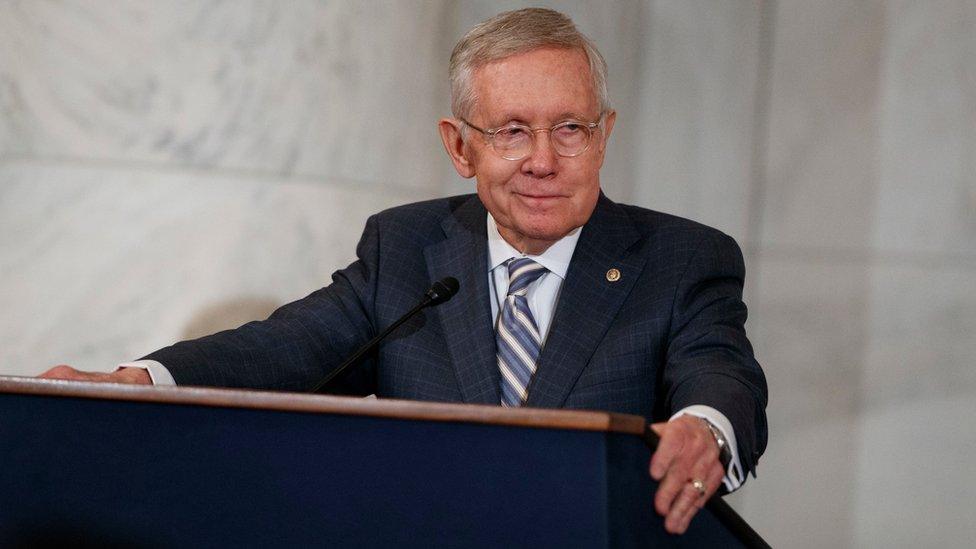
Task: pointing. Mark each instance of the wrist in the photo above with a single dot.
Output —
(138, 376)
(724, 451)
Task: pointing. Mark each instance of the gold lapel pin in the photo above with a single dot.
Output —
(613, 275)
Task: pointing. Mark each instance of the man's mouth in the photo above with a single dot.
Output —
(539, 196)
(538, 200)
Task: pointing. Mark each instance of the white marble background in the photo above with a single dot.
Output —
(172, 168)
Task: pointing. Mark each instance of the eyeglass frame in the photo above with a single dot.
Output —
(490, 135)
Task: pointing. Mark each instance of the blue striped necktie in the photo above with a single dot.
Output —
(517, 337)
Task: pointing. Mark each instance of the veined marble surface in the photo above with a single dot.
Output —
(927, 193)
(350, 90)
(102, 264)
(823, 126)
(693, 135)
(922, 335)
(929, 505)
(863, 306)
(808, 323)
(808, 471)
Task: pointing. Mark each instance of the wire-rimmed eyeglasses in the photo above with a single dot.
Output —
(516, 141)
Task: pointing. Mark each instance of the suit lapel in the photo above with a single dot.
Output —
(588, 302)
(466, 319)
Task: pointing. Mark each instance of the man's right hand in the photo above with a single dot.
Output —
(136, 376)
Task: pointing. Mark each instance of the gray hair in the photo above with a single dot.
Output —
(514, 32)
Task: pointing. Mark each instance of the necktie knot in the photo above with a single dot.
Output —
(522, 272)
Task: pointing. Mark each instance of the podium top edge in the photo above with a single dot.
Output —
(323, 404)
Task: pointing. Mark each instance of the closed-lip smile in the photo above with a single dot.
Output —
(539, 196)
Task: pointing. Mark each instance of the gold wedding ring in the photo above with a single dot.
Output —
(699, 484)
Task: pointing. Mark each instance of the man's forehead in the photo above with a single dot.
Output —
(550, 83)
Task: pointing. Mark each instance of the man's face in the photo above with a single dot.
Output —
(541, 198)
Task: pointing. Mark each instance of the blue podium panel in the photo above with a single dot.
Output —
(150, 474)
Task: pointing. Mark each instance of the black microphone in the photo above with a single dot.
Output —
(439, 292)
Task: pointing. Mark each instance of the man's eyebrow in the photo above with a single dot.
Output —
(571, 115)
(515, 119)
(509, 119)
(579, 116)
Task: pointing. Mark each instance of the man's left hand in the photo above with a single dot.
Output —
(687, 452)
(137, 376)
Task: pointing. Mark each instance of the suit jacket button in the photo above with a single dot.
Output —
(613, 275)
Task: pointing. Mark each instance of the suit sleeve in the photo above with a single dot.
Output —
(298, 344)
(709, 358)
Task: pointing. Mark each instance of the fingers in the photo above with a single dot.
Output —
(687, 451)
(683, 445)
(123, 375)
(690, 500)
(669, 448)
(63, 371)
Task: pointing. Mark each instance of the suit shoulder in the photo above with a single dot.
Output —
(435, 209)
(422, 220)
(654, 224)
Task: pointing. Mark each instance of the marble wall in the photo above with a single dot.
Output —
(865, 304)
(172, 168)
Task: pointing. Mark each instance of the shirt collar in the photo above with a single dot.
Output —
(556, 258)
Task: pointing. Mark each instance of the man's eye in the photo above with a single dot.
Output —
(511, 133)
(571, 128)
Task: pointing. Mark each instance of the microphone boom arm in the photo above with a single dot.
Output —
(440, 292)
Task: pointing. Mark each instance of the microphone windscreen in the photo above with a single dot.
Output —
(442, 290)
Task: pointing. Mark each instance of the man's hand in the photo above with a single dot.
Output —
(687, 452)
(122, 375)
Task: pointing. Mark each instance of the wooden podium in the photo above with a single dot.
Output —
(135, 466)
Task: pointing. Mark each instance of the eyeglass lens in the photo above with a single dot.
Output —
(516, 142)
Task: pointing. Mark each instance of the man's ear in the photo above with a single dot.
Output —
(608, 121)
(451, 136)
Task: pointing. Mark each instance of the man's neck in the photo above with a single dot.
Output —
(555, 257)
(528, 246)
(524, 244)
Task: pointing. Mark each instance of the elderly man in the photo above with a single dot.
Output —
(566, 298)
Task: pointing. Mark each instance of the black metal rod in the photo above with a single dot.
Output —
(721, 510)
(371, 344)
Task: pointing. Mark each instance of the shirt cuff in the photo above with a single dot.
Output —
(733, 474)
(157, 372)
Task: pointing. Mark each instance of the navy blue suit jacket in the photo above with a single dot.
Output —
(668, 334)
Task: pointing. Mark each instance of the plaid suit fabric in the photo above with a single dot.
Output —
(667, 334)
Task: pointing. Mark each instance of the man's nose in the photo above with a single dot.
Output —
(541, 162)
